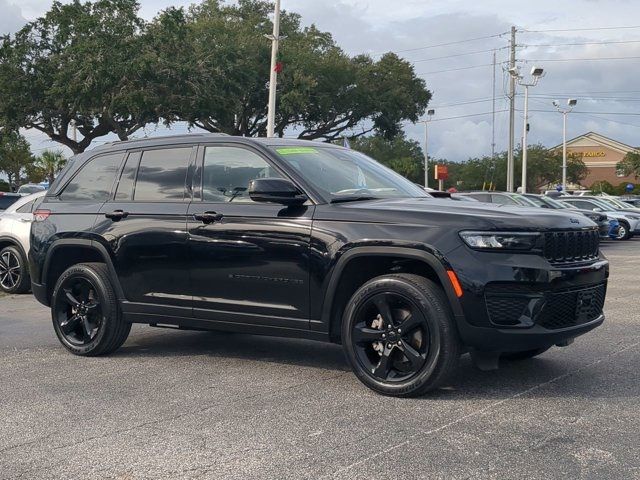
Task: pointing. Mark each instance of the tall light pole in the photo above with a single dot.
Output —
(571, 103)
(273, 78)
(430, 114)
(536, 73)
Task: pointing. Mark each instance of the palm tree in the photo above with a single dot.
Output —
(50, 163)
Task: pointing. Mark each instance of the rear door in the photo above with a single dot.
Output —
(144, 227)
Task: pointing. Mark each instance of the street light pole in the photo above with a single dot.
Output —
(430, 114)
(524, 139)
(536, 73)
(273, 78)
(571, 103)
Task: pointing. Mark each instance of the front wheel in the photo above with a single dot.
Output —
(624, 232)
(399, 335)
(85, 312)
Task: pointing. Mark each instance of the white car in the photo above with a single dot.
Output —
(15, 227)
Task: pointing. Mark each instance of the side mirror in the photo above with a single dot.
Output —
(275, 190)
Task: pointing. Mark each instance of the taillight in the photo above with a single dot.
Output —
(41, 215)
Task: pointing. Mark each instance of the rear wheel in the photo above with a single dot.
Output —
(399, 335)
(85, 312)
(14, 272)
(524, 355)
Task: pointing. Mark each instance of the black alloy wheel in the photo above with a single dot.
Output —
(85, 312)
(78, 311)
(14, 274)
(391, 337)
(399, 335)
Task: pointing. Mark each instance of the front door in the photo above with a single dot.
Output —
(249, 261)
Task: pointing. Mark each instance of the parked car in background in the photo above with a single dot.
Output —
(7, 199)
(15, 226)
(608, 227)
(29, 188)
(629, 222)
(634, 200)
(501, 198)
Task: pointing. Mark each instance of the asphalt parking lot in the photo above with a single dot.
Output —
(174, 404)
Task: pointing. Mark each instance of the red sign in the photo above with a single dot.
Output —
(442, 172)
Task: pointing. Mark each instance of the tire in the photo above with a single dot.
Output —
(14, 271)
(625, 231)
(382, 356)
(85, 312)
(526, 355)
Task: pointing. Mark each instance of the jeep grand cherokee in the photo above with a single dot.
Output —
(305, 239)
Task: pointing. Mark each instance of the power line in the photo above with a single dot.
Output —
(446, 44)
(468, 102)
(467, 116)
(617, 42)
(582, 112)
(579, 29)
(458, 55)
(455, 69)
(589, 59)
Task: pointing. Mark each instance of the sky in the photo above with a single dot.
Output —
(580, 44)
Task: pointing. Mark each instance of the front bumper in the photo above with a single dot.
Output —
(539, 304)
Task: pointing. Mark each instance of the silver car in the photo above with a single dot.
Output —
(15, 226)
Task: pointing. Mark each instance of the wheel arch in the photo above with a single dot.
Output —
(64, 253)
(6, 241)
(379, 261)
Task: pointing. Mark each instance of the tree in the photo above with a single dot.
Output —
(46, 166)
(80, 64)
(213, 61)
(402, 155)
(603, 186)
(15, 155)
(630, 164)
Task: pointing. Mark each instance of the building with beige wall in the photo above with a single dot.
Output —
(600, 154)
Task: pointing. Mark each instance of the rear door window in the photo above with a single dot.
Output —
(161, 175)
(94, 181)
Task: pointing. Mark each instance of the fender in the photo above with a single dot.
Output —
(85, 243)
(424, 253)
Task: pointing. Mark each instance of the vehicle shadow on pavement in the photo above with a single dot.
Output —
(549, 373)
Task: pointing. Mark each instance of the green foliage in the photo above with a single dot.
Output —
(4, 186)
(15, 155)
(80, 63)
(602, 186)
(404, 156)
(213, 62)
(630, 164)
(46, 166)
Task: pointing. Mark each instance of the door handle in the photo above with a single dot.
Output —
(117, 215)
(25, 220)
(208, 217)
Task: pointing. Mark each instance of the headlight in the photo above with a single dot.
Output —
(500, 240)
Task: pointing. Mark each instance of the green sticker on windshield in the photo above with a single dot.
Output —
(296, 150)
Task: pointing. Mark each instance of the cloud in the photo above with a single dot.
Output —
(11, 19)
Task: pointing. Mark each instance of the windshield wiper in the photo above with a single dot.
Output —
(353, 198)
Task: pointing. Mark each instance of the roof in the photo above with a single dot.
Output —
(600, 140)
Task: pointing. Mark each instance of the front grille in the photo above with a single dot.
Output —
(571, 246)
(572, 307)
(526, 305)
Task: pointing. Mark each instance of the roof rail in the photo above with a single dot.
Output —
(165, 137)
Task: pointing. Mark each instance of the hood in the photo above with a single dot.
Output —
(462, 215)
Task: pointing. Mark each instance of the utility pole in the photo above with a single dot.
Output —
(430, 114)
(571, 103)
(493, 122)
(273, 78)
(512, 109)
(525, 130)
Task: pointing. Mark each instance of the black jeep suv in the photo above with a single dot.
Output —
(306, 239)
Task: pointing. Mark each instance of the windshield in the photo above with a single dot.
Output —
(538, 202)
(30, 189)
(340, 174)
(618, 203)
(554, 203)
(522, 200)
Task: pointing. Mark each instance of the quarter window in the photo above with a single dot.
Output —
(94, 181)
(162, 174)
(26, 208)
(228, 172)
